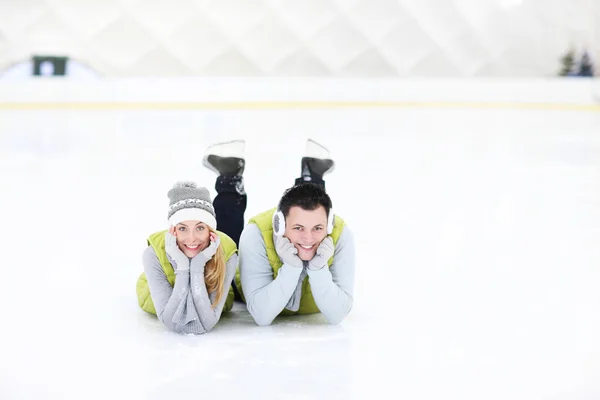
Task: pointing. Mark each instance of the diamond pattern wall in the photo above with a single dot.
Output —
(344, 38)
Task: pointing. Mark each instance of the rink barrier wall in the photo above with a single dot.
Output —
(157, 106)
(564, 94)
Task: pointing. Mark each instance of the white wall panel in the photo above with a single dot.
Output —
(374, 38)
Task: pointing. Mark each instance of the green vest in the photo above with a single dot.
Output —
(264, 221)
(157, 241)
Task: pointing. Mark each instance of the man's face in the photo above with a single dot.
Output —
(306, 230)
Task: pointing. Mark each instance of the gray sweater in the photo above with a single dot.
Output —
(185, 307)
(332, 287)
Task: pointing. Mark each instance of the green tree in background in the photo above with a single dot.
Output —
(586, 66)
(567, 61)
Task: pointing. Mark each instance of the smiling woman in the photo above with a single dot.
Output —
(188, 269)
(192, 237)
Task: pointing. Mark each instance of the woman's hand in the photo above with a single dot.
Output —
(176, 256)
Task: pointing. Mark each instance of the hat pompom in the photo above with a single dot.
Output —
(185, 184)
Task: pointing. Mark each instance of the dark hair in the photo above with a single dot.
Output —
(308, 196)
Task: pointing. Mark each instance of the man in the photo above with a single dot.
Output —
(297, 258)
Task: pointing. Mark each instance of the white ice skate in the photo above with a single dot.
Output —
(226, 158)
(316, 161)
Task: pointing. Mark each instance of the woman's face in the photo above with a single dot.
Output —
(192, 237)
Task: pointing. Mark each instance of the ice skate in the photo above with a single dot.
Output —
(316, 162)
(226, 158)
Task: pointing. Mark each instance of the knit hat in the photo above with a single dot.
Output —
(190, 202)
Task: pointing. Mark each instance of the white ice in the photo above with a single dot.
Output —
(478, 262)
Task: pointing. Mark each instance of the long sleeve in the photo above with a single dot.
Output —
(173, 305)
(265, 297)
(333, 287)
(202, 300)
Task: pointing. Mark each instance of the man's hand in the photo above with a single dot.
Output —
(287, 252)
(323, 254)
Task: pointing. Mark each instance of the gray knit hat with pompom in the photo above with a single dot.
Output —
(188, 202)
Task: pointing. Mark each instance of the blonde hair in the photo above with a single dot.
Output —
(214, 273)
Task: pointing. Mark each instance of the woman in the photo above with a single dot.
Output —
(188, 269)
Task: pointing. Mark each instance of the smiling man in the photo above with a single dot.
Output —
(297, 258)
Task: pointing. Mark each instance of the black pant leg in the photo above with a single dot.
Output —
(230, 206)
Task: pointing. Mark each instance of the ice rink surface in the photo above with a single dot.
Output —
(478, 257)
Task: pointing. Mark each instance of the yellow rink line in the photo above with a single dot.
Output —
(287, 105)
